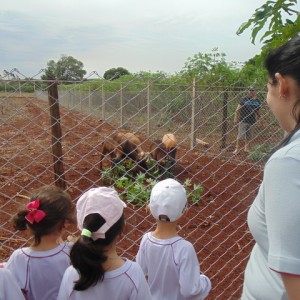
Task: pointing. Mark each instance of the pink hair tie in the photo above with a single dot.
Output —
(35, 214)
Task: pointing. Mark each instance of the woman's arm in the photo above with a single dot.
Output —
(292, 285)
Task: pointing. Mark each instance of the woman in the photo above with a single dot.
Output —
(273, 270)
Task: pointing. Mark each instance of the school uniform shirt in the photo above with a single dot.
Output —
(39, 273)
(274, 221)
(9, 289)
(172, 268)
(125, 283)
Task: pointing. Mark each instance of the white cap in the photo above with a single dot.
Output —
(168, 198)
(103, 201)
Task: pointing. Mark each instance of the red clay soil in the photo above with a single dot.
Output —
(216, 226)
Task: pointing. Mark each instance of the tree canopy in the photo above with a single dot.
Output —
(280, 20)
(115, 73)
(66, 68)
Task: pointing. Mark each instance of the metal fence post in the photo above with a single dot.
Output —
(148, 108)
(193, 137)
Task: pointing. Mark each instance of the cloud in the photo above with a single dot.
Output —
(135, 34)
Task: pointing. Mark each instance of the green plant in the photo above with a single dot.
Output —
(259, 152)
(136, 189)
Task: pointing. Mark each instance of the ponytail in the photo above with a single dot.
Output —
(87, 256)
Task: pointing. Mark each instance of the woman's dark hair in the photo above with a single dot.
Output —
(58, 207)
(286, 61)
(87, 255)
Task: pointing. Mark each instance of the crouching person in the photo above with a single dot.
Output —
(170, 262)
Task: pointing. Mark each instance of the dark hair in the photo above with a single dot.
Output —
(286, 61)
(87, 255)
(58, 207)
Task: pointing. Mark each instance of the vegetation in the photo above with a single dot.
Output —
(279, 17)
(260, 152)
(136, 189)
(66, 68)
(115, 73)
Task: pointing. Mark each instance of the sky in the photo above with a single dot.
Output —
(138, 35)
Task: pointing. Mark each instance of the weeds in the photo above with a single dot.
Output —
(136, 189)
(259, 152)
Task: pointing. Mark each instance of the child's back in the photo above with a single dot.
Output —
(39, 268)
(39, 273)
(126, 282)
(97, 271)
(169, 261)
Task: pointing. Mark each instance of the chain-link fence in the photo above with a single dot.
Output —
(221, 184)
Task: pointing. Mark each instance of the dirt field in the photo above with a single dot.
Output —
(217, 226)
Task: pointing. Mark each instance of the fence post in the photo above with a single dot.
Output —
(103, 101)
(56, 135)
(89, 110)
(148, 108)
(121, 104)
(224, 121)
(193, 137)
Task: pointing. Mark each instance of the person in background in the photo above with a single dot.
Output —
(273, 270)
(170, 262)
(246, 115)
(9, 289)
(97, 271)
(39, 268)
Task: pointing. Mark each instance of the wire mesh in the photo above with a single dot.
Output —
(90, 112)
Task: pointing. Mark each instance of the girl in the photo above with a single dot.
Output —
(97, 271)
(273, 270)
(40, 267)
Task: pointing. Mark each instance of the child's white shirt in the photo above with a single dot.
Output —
(172, 268)
(9, 288)
(125, 283)
(39, 273)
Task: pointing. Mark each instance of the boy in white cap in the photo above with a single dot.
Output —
(97, 271)
(170, 262)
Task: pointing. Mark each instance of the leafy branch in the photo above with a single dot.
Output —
(279, 30)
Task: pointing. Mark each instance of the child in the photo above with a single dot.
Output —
(9, 287)
(170, 262)
(40, 267)
(97, 271)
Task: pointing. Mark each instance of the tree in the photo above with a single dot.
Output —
(115, 73)
(275, 14)
(211, 67)
(66, 68)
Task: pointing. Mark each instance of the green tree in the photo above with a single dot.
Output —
(211, 67)
(115, 73)
(66, 68)
(279, 17)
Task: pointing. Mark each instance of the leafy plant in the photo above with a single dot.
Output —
(136, 189)
(259, 152)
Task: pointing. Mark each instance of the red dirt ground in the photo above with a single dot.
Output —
(217, 226)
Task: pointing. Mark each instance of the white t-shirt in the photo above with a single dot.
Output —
(39, 273)
(274, 221)
(125, 283)
(9, 289)
(172, 268)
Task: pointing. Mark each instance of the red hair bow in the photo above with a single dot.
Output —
(35, 214)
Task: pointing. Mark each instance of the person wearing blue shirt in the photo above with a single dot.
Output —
(246, 115)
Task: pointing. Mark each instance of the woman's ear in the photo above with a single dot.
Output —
(282, 85)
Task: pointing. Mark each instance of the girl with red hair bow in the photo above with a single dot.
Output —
(39, 268)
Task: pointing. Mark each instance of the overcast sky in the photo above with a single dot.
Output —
(139, 35)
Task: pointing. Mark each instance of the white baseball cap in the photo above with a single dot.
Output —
(103, 201)
(168, 200)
